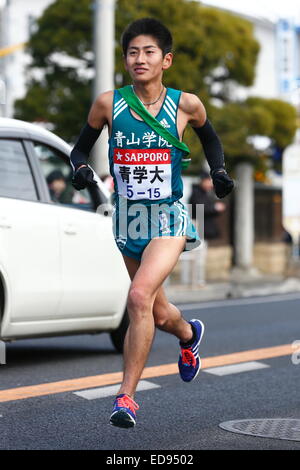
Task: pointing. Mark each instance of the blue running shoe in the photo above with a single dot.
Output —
(123, 414)
(189, 363)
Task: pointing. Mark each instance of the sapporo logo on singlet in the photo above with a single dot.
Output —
(143, 173)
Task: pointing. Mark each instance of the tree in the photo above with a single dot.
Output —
(237, 122)
(59, 84)
(212, 48)
(284, 117)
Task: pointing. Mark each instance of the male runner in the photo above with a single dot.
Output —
(147, 174)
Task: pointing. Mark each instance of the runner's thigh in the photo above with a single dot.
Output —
(158, 260)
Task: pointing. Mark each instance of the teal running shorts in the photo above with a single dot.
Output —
(136, 224)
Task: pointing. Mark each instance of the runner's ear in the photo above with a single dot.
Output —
(167, 61)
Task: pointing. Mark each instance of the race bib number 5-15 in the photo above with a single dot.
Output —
(143, 174)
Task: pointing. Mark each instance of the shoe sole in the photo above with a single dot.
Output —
(199, 341)
(121, 419)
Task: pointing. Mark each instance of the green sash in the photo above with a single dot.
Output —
(134, 103)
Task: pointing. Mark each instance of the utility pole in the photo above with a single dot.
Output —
(244, 224)
(4, 42)
(244, 233)
(104, 51)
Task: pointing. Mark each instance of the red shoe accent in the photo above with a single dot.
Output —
(188, 357)
(127, 402)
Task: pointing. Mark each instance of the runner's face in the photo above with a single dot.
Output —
(144, 60)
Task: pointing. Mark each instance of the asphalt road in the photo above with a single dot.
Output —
(174, 415)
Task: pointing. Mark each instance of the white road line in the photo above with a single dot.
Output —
(237, 302)
(102, 392)
(236, 368)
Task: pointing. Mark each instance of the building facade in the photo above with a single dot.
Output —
(288, 63)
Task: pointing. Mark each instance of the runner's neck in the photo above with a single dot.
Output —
(149, 92)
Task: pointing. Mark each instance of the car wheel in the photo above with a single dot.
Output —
(118, 336)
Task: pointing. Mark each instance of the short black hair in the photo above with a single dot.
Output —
(148, 27)
(55, 175)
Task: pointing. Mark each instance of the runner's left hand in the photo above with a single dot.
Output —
(83, 177)
(223, 184)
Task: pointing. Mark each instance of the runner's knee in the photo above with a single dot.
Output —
(139, 301)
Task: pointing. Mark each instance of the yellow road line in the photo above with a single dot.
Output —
(21, 393)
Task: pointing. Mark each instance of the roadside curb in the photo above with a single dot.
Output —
(231, 290)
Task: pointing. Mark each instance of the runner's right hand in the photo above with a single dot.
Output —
(83, 177)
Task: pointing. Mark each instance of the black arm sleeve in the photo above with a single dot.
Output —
(211, 145)
(86, 140)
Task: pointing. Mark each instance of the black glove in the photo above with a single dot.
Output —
(83, 177)
(223, 184)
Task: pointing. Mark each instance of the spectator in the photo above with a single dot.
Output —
(203, 193)
(56, 184)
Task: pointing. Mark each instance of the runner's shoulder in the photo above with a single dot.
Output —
(100, 111)
(193, 107)
(105, 100)
(189, 103)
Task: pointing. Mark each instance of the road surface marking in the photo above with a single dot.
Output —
(20, 393)
(236, 368)
(102, 392)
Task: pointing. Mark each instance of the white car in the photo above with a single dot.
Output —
(60, 270)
